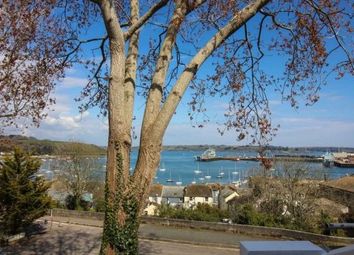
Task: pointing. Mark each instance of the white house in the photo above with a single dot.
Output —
(155, 193)
(197, 194)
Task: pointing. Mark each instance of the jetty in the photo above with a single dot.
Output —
(302, 158)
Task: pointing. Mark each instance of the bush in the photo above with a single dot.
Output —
(202, 212)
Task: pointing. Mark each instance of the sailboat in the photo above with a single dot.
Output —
(197, 171)
(194, 182)
(162, 168)
(179, 182)
(220, 175)
(233, 177)
(208, 177)
(170, 179)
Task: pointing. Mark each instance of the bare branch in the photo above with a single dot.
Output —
(237, 21)
(144, 18)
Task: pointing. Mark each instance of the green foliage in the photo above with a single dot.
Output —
(76, 203)
(23, 195)
(247, 214)
(202, 212)
(123, 237)
(99, 205)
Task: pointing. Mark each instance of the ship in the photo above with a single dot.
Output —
(206, 155)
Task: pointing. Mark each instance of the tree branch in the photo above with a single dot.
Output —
(238, 20)
(144, 18)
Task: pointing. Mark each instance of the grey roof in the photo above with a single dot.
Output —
(172, 191)
(198, 190)
(226, 192)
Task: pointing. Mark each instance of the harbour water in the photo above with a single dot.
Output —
(181, 167)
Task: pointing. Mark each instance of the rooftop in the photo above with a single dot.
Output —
(198, 190)
(155, 190)
(172, 191)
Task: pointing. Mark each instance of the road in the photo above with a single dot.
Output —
(65, 239)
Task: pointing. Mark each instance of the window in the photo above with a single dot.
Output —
(206, 198)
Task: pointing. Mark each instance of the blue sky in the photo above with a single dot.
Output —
(330, 122)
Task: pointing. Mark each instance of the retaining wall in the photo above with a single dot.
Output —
(234, 228)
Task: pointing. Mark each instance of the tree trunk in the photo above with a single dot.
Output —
(120, 223)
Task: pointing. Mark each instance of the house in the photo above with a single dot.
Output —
(172, 195)
(226, 196)
(197, 194)
(155, 193)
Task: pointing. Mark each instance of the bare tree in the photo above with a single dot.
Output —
(76, 171)
(308, 35)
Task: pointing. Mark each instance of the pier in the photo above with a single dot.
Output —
(302, 158)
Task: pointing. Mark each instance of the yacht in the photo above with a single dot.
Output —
(208, 177)
(170, 179)
(197, 171)
(162, 168)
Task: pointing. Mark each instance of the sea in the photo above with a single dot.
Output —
(181, 168)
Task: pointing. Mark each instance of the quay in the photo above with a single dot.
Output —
(303, 158)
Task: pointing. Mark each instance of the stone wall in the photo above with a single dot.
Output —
(278, 233)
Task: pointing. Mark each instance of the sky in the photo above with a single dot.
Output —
(329, 122)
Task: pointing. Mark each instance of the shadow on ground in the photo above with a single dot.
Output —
(65, 240)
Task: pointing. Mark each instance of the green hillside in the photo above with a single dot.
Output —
(42, 147)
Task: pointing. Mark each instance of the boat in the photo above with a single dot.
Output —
(170, 179)
(162, 168)
(208, 177)
(206, 155)
(220, 175)
(179, 183)
(197, 171)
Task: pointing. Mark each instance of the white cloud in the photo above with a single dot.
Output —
(73, 82)
(66, 121)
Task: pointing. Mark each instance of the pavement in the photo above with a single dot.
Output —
(65, 239)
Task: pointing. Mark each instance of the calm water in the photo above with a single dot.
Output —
(180, 166)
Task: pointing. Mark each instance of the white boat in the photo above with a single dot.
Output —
(170, 179)
(194, 182)
(208, 177)
(220, 175)
(162, 168)
(179, 183)
(197, 171)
